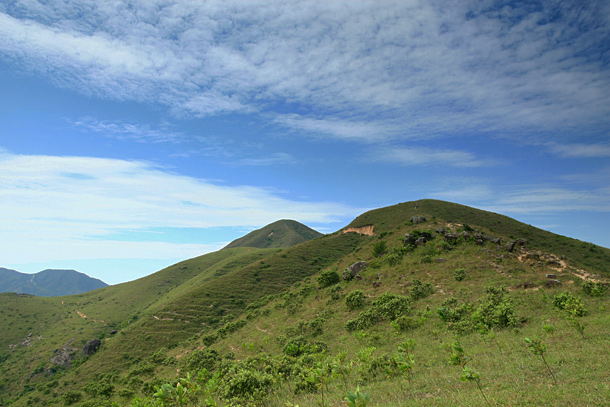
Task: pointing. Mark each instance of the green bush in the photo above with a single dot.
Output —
(246, 385)
(420, 290)
(459, 274)
(593, 288)
(201, 359)
(72, 396)
(328, 278)
(355, 299)
(387, 306)
(573, 305)
(380, 248)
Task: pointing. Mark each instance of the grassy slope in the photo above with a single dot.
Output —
(195, 296)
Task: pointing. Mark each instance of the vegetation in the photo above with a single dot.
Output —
(285, 330)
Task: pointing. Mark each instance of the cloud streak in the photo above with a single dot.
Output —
(412, 69)
(69, 207)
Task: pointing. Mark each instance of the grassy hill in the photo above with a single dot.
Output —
(440, 322)
(280, 234)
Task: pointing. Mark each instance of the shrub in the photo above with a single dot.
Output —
(71, 397)
(380, 248)
(328, 278)
(244, 384)
(459, 274)
(355, 299)
(420, 290)
(594, 289)
(387, 306)
(201, 359)
(496, 310)
(566, 301)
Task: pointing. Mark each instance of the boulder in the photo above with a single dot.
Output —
(353, 270)
(91, 347)
(451, 237)
(417, 219)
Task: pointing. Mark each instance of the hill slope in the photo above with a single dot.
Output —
(280, 234)
(48, 283)
(470, 292)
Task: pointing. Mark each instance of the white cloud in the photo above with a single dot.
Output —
(127, 131)
(69, 207)
(577, 150)
(414, 156)
(411, 68)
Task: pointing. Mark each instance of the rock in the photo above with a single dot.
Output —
(420, 241)
(510, 246)
(114, 331)
(417, 219)
(410, 240)
(353, 270)
(552, 283)
(91, 347)
(526, 284)
(376, 284)
(451, 237)
(551, 276)
(440, 231)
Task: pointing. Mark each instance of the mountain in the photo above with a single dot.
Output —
(428, 301)
(280, 234)
(48, 283)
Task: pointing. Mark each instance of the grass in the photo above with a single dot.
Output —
(164, 318)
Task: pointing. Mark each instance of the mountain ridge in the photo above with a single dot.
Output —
(48, 282)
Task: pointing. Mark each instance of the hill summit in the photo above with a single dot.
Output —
(48, 283)
(280, 234)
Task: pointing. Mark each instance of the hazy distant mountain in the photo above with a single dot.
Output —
(280, 234)
(48, 283)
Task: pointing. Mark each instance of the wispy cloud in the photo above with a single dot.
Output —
(127, 131)
(578, 150)
(69, 207)
(274, 159)
(414, 156)
(430, 68)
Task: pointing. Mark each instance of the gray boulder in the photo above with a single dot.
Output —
(91, 347)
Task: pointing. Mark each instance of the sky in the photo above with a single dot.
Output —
(135, 134)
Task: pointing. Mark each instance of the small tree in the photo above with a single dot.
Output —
(328, 278)
(355, 299)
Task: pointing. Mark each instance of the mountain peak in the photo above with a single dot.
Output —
(279, 234)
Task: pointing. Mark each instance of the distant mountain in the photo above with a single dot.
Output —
(48, 283)
(281, 234)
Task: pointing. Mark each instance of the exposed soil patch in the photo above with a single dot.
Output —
(363, 230)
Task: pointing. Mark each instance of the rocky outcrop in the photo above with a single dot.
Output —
(91, 347)
(418, 219)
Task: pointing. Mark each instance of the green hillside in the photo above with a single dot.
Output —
(281, 234)
(443, 321)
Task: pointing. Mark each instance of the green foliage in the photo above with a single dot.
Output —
(459, 274)
(300, 346)
(419, 290)
(355, 299)
(386, 306)
(328, 278)
(71, 396)
(201, 359)
(594, 288)
(537, 347)
(568, 302)
(496, 310)
(357, 398)
(380, 248)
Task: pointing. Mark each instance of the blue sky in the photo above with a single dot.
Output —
(137, 134)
